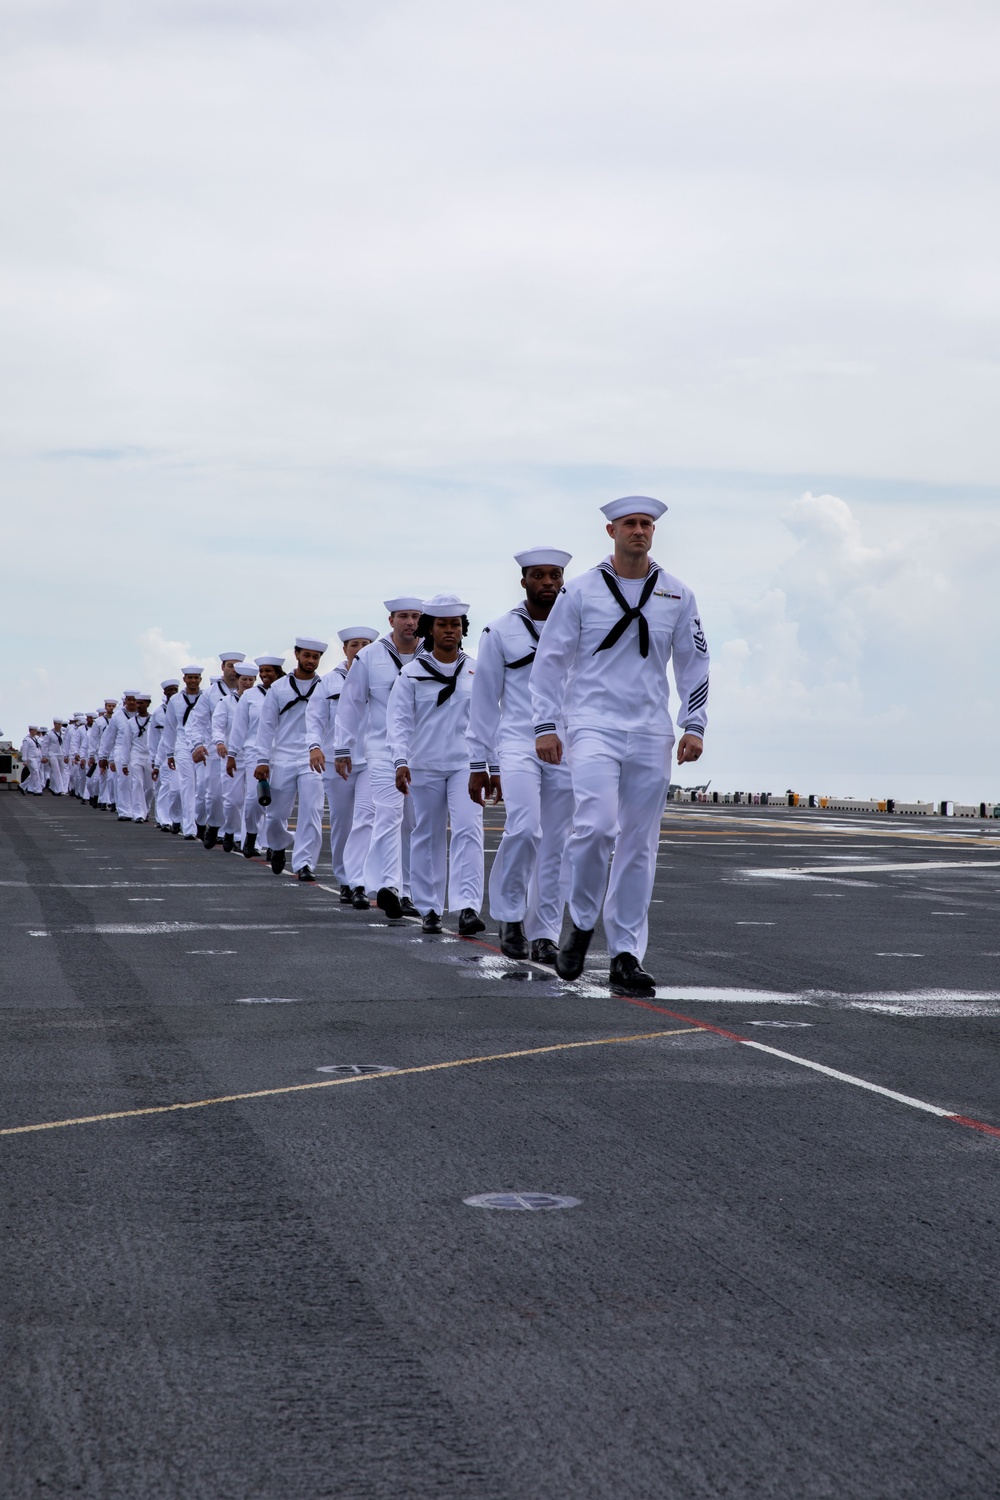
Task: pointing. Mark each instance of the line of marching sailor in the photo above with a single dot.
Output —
(564, 714)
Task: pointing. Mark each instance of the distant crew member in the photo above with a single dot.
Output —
(55, 757)
(181, 736)
(526, 896)
(426, 726)
(220, 688)
(348, 798)
(283, 761)
(137, 765)
(361, 733)
(242, 755)
(601, 667)
(31, 757)
(222, 732)
(167, 805)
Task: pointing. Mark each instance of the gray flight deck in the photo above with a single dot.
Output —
(776, 1283)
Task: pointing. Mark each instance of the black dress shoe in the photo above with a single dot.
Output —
(628, 974)
(388, 901)
(306, 875)
(432, 922)
(359, 899)
(210, 837)
(573, 952)
(175, 828)
(249, 846)
(513, 943)
(346, 895)
(544, 951)
(228, 841)
(277, 860)
(93, 800)
(407, 907)
(138, 820)
(200, 827)
(191, 836)
(470, 922)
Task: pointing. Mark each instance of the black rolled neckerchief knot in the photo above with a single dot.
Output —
(433, 675)
(630, 612)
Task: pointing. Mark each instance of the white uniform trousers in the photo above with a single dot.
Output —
(36, 781)
(202, 793)
(104, 787)
(190, 781)
(436, 795)
(253, 813)
(140, 785)
(360, 837)
(388, 859)
(58, 774)
(92, 784)
(234, 790)
(287, 783)
(620, 784)
(215, 804)
(168, 802)
(351, 816)
(526, 881)
(122, 792)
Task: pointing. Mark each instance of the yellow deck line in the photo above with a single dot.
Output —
(329, 1083)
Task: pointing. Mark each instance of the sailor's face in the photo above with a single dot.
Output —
(142, 707)
(243, 684)
(351, 648)
(542, 585)
(307, 660)
(632, 534)
(192, 682)
(268, 675)
(169, 692)
(229, 675)
(130, 703)
(447, 631)
(404, 623)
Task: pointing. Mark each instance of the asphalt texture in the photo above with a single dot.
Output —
(775, 1282)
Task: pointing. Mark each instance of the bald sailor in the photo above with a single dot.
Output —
(351, 810)
(181, 736)
(242, 754)
(525, 881)
(283, 761)
(361, 733)
(601, 669)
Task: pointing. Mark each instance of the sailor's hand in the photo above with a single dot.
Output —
(231, 766)
(220, 750)
(690, 748)
(154, 774)
(548, 747)
(124, 770)
(342, 766)
(262, 772)
(103, 765)
(403, 779)
(171, 763)
(317, 759)
(199, 755)
(484, 788)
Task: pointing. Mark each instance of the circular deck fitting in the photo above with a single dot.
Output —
(531, 1202)
(357, 1070)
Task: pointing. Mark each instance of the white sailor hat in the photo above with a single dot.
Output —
(543, 557)
(191, 671)
(270, 661)
(246, 668)
(405, 601)
(232, 655)
(170, 682)
(445, 604)
(130, 693)
(633, 505)
(306, 643)
(110, 700)
(357, 633)
(215, 679)
(143, 697)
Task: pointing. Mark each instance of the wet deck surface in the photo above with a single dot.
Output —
(776, 1282)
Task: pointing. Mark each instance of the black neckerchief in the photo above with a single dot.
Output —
(190, 705)
(297, 696)
(630, 612)
(142, 727)
(433, 675)
(529, 625)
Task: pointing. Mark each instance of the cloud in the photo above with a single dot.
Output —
(161, 658)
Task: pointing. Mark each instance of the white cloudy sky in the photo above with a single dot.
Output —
(306, 303)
